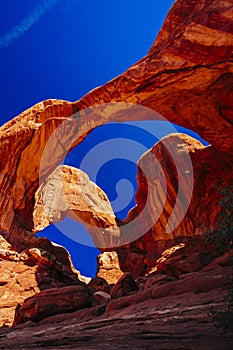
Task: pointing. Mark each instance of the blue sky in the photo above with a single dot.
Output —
(73, 47)
(62, 49)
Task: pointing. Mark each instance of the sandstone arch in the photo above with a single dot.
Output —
(186, 77)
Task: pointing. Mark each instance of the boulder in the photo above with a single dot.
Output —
(52, 302)
(97, 284)
(124, 286)
(102, 297)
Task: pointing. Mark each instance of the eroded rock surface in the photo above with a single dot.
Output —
(68, 192)
(17, 281)
(165, 313)
(186, 77)
(22, 275)
(108, 267)
(51, 302)
(166, 191)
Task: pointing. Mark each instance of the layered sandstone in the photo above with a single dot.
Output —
(186, 77)
(182, 194)
(24, 274)
(165, 313)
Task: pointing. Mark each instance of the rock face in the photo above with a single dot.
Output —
(68, 192)
(108, 267)
(165, 313)
(210, 167)
(186, 77)
(17, 281)
(22, 275)
(23, 138)
(187, 74)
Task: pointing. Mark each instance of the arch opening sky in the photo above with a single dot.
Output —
(63, 49)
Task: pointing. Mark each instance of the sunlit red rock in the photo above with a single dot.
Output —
(187, 78)
(18, 281)
(24, 274)
(108, 267)
(68, 192)
(211, 169)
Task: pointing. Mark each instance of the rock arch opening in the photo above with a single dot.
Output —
(77, 241)
(108, 155)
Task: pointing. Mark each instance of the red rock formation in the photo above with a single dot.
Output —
(187, 74)
(108, 267)
(124, 286)
(51, 302)
(186, 77)
(210, 167)
(17, 281)
(68, 192)
(182, 259)
(165, 313)
(22, 275)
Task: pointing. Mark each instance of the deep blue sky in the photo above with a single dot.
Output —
(75, 46)
(62, 49)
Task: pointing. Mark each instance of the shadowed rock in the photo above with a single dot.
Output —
(124, 286)
(51, 302)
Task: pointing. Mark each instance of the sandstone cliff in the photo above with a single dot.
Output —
(186, 77)
(165, 196)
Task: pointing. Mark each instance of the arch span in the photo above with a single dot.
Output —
(186, 77)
